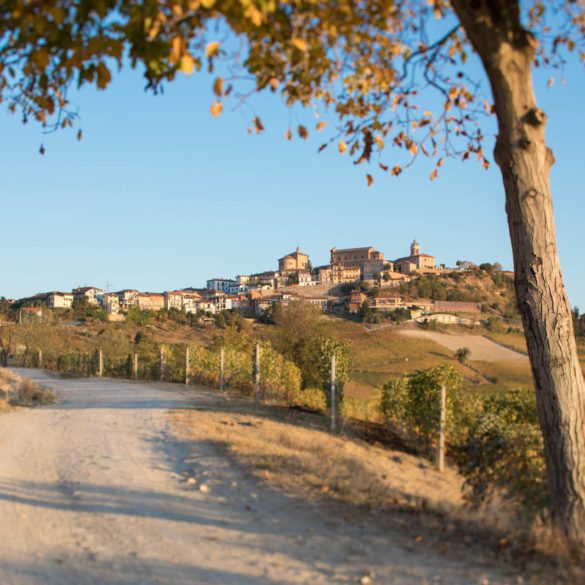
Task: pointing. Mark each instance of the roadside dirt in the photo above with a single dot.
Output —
(124, 483)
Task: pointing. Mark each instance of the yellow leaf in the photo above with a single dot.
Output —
(300, 44)
(207, 3)
(187, 64)
(453, 92)
(212, 49)
(177, 45)
(274, 83)
(321, 126)
(342, 147)
(434, 175)
(427, 113)
(218, 87)
(413, 149)
(370, 180)
(396, 171)
(379, 141)
(216, 109)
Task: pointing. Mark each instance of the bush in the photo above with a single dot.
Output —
(494, 438)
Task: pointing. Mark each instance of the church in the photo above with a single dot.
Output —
(416, 262)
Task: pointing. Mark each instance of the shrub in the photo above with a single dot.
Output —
(462, 354)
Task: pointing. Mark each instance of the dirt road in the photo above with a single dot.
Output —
(91, 492)
(482, 349)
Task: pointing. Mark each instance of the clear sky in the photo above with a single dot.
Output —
(160, 195)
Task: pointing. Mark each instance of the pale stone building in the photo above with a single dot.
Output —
(293, 262)
(416, 262)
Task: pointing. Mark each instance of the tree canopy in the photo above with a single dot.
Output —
(392, 72)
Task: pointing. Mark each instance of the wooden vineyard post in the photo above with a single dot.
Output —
(257, 372)
(333, 401)
(221, 369)
(442, 429)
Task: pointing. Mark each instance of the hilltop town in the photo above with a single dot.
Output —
(339, 286)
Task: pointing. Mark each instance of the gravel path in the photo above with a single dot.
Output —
(92, 491)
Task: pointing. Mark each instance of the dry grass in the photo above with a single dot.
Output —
(293, 451)
(19, 391)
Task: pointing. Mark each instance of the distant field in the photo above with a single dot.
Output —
(386, 353)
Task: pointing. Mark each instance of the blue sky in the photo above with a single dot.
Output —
(160, 195)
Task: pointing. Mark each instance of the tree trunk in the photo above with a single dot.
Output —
(507, 51)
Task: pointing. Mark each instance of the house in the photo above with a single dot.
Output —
(306, 278)
(181, 300)
(59, 300)
(127, 298)
(222, 284)
(91, 294)
(150, 301)
(386, 303)
(356, 300)
(111, 303)
(293, 262)
(416, 262)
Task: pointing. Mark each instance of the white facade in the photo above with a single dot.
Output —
(59, 300)
(222, 284)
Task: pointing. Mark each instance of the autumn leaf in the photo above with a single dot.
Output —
(216, 109)
(218, 87)
(42, 150)
(379, 141)
(300, 44)
(212, 49)
(486, 164)
(396, 171)
(259, 127)
(79, 135)
(288, 134)
(413, 149)
(187, 64)
(177, 47)
(370, 180)
(303, 132)
(342, 147)
(434, 175)
(321, 126)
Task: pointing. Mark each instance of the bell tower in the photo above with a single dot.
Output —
(414, 248)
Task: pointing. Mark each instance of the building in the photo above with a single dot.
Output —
(416, 262)
(293, 262)
(181, 300)
(356, 300)
(387, 303)
(91, 294)
(111, 303)
(222, 284)
(127, 298)
(150, 301)
(370, 262)
(59, 300)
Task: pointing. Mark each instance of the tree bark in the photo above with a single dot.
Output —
(506, 50)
